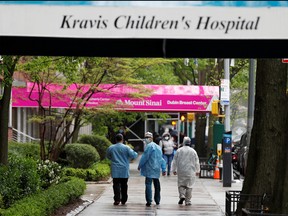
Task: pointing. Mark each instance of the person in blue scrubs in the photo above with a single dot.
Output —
(120, 156)
(150, 166)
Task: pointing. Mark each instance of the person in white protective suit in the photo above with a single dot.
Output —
(186, 165)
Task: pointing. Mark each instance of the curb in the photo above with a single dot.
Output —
(86, 203)
(80, 208)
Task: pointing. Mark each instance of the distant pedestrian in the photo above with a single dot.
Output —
(186, 165)
(150, 166)
(167, 145)
(156, 138)
(120, 156)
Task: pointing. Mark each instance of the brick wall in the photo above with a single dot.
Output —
(10, 133)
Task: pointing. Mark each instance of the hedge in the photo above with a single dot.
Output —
(47, 201)
(18, 179)
(24, 149)
(98, 171)
(81, 155)
(101, 143)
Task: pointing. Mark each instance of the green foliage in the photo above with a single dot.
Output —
(24, 149)
(81, 155)
(79, 173)
(45, 70)
(96, 172)
(102, 170)
(154, 71)
(103, 123)
(18, 179)
(46, 202)
(101, 143)
(49, 172)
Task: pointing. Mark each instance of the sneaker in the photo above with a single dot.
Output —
(123, 203)
(116, 203)
(148, 204)
(188, 204)
(181, 201)
(157, 203)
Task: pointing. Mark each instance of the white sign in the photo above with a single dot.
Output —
(144, 22)
(225, 92)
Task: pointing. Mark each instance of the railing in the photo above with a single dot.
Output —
(19, 136)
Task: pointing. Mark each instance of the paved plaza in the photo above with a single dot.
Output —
(208, 197)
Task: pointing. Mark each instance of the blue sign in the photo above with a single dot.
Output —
(227, 138)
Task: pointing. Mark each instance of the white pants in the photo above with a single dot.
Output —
(185, 192)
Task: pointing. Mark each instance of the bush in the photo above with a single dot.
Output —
(79, 173)
(24, 150)
(96, 172)
(101, 143)
(49, 172)
(102, 170)
(81, 155)
(47, 201)
(18, 179)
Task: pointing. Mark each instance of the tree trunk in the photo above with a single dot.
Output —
(42, 131)
(200, 126)
(4, 119)
(267, 160)
(200, 146)
(7, 69)
(76, 134)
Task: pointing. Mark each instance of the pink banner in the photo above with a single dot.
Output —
(164, 97)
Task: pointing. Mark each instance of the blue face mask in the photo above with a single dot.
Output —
(147, 140)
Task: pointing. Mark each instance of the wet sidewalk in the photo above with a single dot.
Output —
(208, 197)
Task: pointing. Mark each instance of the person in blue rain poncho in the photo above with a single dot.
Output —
(150, 166)
(120, 156)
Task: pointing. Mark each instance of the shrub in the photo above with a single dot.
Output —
(47, 201)
(24, 150)
(96, 172)
(49, 172)
(81, 155)
(79, 173)
(101, 143)
(18, 179)
(102, 170)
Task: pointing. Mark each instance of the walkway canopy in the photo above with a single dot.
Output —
(163, 98)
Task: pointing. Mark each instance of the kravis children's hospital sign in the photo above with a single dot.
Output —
(150, 20)
(164, 98)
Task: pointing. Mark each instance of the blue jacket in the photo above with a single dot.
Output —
(120, 156)
(152, 161)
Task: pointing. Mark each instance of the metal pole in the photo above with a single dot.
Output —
(227, 165)
(10, 113)
(251, 99)
(227, 107)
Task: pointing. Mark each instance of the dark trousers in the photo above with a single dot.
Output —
(120, 188)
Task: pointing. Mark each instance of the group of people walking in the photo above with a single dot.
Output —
(155, 159)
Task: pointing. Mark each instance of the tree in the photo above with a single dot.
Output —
(148, 71)
(46, 71)
(209, 72)
(7, 68)
(267, 168)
